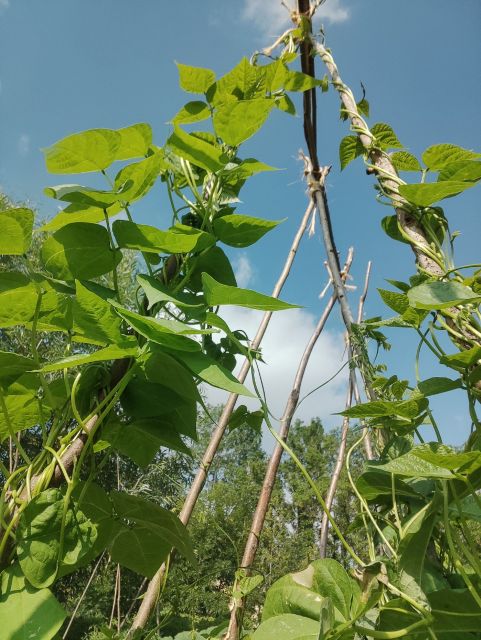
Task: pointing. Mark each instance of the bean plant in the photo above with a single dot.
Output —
(128, 380)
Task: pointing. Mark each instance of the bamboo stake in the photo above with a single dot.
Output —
(331, 492)
(252, 544)
(153, 590)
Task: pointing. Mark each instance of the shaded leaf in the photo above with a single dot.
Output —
(440, 295)
(241, 231)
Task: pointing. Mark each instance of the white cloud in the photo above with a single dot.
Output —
(23, 143)
(271, 17)
(243, 271)
(282, 348)
(4, 4)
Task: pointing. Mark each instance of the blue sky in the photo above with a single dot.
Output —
(69, 65)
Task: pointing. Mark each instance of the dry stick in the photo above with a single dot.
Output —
(331, 492)
(82, 596)
(237, 606)
(152, 593)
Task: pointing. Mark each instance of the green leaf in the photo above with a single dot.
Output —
(216, 264)
(363, 107)
(21, 401)
(378, 408)
(16, 231)
(243, 82)
(465, 170)
(413, 466)
(163, 369)
(433, 386)
(288, 627)
(292, 596)
(241, 231)
(242, 417)
(169, 333)
(385, 136)
(194, 111)
(423, 195)
(454, 610)
(440, 156)
(80, 213)
(463, 359)
(141, 439)
(83, 196)
(297, 81)
(128, 349)
(376, 486)
(391, 228)
(92, 150)
(18, 298)
(284, 103)
(195, 79)
(27, 613)
(446, 458)
(200, 153)
(12, 366)
(157, 292)
(349, 149)
(178, 239)
(135, 141)
(39, 534)
(93, 317)
(440, 295)
(221, 294)
(235, 122)
(405, 161)
(79, 250)
(144, 543)
(416, 535)
(135, 180)
(213, 373)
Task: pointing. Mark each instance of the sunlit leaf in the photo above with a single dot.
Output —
(16, 231)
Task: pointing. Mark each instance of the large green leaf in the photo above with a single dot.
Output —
(297, 81)
(135, 180)
(128, 349)
(385, 136)
(378, 408)
(79, 250)
(349, 149)
(169, 333)
(220, 294)
(235, 122)
(446, 458)
(440, 156)
(16, 231)
(416, 536)
(412, 466)
(378, 486)
(145, 535)
(242, 231)
(21, 404)
(27, 613)
(178, 239)
(92, 150)
(465, 170)
(161, 368)
(455, 610)
(197, 151)
(80, 213)
(195, 79)
(463, 359)
(157, 292)
(433, 386)
(216, 264)
(244, 82)
(172, 411)
(93, 317)
(141, 439)
(405, 161)
(18, 298)
(12, 366)
(213, 373)
(428, 193)
(135, 141)
(288, 627)
(83, 196)
(439, 295)
(39, 534)
(193, 111)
